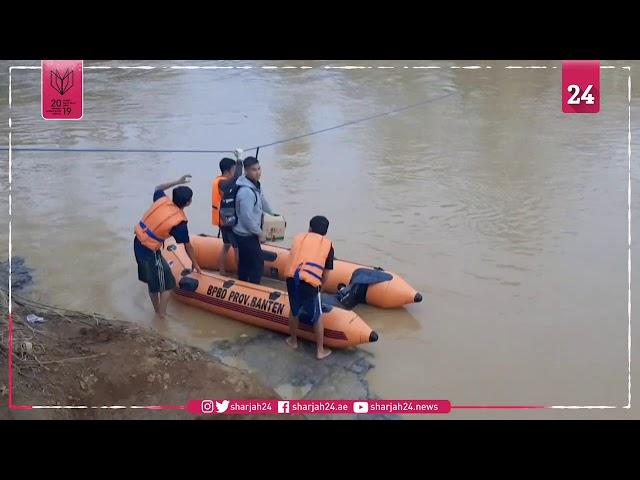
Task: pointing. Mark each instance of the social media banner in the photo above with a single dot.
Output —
(316, 407)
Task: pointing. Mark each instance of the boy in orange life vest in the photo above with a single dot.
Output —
(310, 260)
(165, 218)
(228, 175)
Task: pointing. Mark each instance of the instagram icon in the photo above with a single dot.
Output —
(206, 406)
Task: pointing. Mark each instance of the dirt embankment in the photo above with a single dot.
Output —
(78, 359)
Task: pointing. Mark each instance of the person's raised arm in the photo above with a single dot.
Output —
(238, 171)
(181, 181)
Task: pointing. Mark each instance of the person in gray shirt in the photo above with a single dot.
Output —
(250, 207)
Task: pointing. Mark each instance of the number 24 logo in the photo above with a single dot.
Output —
(586, 96)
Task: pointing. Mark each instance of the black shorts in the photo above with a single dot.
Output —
(228, 237)
(155, 272)
(304, 301)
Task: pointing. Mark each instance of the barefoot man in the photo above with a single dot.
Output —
(165, 218)
(310, 260)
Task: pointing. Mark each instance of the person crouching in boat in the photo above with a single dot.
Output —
(165, 218)
(310, 260)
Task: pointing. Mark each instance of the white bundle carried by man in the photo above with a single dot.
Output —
(273, 227)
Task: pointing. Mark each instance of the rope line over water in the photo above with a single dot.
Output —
(248, 149)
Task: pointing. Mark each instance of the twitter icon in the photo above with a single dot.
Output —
(221, 407)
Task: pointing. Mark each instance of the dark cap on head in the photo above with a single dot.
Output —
(319, 225)
(182, 195)
(249, 162)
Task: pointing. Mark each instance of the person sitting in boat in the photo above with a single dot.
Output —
(310, 260)
(165, 218)
(250, 205)
(230, 172)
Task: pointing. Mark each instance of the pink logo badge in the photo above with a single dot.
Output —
(581, 86)
(62, 89)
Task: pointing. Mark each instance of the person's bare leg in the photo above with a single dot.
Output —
(292, 341)
(164, 301)
(155, 299)
(322, 352)
(223, 258)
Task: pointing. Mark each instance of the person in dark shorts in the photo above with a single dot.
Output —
(310, 261)
(228, 174)
(165, 218)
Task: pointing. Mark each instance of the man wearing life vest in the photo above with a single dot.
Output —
(165, 218)
(310, 260)
(228, 175)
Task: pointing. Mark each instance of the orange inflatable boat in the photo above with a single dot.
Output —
(256, 304)
(390, 292)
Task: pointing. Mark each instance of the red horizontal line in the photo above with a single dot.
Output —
(165, 407)
(256, 313)
(232, 306)
(20, 407)
(499, 406)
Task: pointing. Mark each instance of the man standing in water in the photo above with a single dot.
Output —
(165, 218)
(250, 206)
(310, 260)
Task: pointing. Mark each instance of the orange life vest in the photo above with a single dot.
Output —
(308, 256)
(156, 224)
(216, 198)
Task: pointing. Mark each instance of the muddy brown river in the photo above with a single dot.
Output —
(508, 215)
